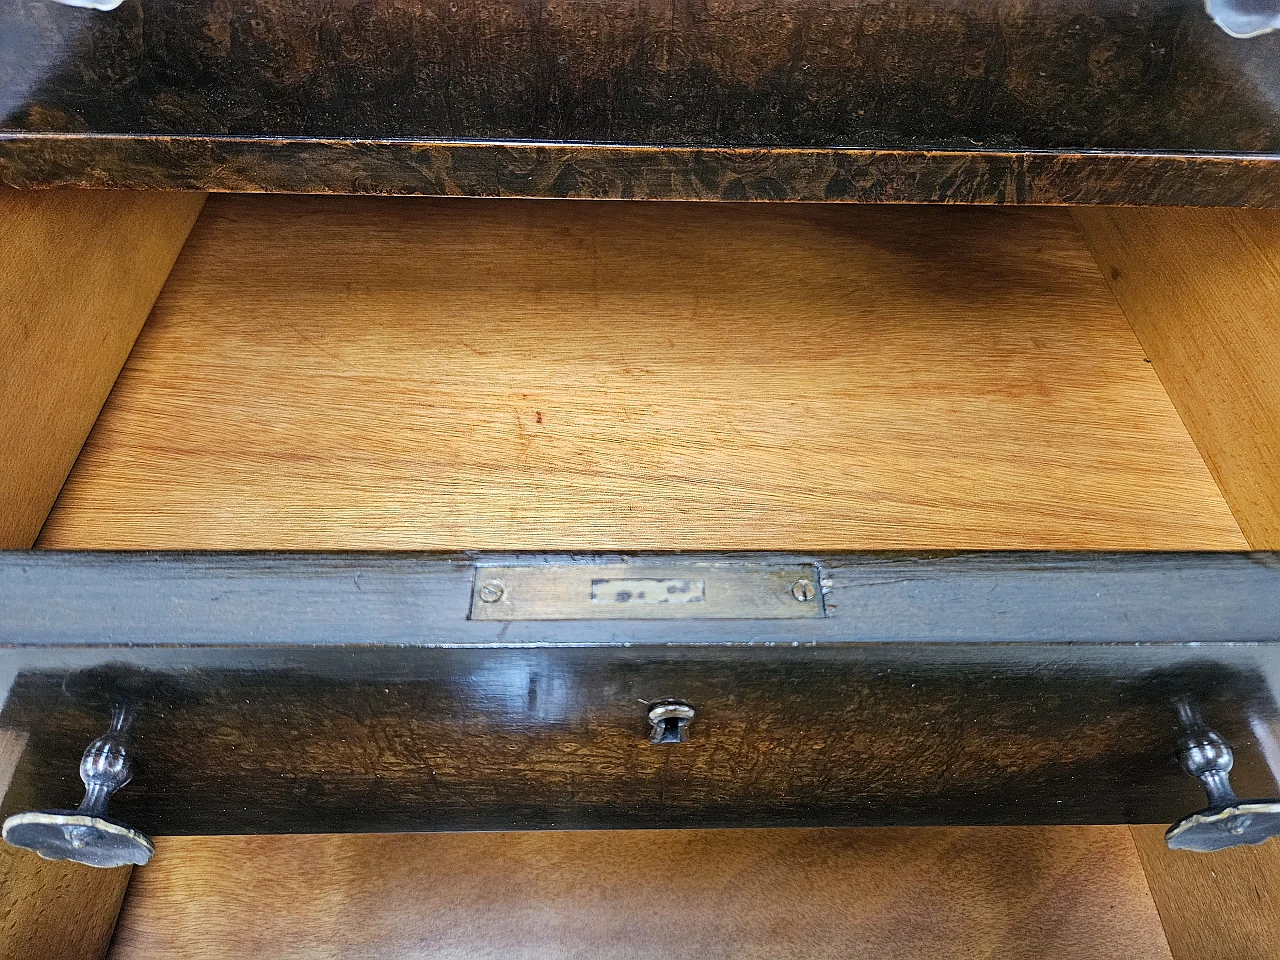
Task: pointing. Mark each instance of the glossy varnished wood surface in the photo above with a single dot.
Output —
(337, 373)
(1201, 288)
(611, 172)
(816, 73)
(330, 692)
(79, 271)
(385, 96)
(1065, 894)
(387, 739)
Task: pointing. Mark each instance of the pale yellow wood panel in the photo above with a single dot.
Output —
(933, 894)
(345, 373)
(1202, 290)
(79, 270)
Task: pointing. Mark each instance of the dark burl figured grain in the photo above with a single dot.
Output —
(641, 173)
(1078, 101)
(369, 739)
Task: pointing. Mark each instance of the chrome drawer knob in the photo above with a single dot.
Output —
(1227, 821)
(86, 835)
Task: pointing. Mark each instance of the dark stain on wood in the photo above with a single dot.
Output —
(282, 692)
(954, 100)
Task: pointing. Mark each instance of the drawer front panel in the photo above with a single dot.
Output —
(356, 739)
(803, 73)
(350, 693)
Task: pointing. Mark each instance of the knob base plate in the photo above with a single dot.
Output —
(1247, 823)
(68, 835)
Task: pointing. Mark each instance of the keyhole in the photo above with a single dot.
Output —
(669, 722)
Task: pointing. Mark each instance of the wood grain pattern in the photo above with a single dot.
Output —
(54, 911)
(1142, 102)
(931, 74)
(328, 693)
(384, 739)
(342, 373)
(1202, 290)
(612, 172)
(78, 273)
(79, 270)
(939, 893)
(1219, 906)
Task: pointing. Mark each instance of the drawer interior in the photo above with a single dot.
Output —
(335, 373)
(338, 373)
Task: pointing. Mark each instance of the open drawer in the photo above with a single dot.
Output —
(467, 515)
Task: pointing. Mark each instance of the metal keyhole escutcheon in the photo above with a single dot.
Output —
(669, 721)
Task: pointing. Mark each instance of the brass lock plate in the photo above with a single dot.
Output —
(647, 589)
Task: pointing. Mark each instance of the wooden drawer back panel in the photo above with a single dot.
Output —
(348, 373)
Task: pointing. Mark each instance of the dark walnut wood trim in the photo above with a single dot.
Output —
(596, 171)
(333, 693)
(1085, 102)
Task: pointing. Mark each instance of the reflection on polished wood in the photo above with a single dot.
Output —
(945, 894)
(339, 373)
(926, 100)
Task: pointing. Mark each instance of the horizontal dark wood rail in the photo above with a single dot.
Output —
(330, 693)
(95, 599)
(1088, 101)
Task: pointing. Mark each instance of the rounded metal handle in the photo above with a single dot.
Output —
(1227, 821)
(104, 5)
(87, 835)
